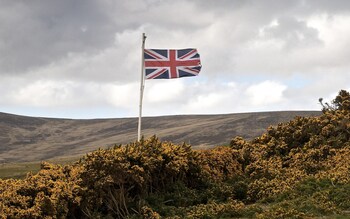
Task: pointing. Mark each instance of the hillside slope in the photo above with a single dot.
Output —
(32, 139)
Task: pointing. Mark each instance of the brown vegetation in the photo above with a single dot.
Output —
(24, 139)
(298, 169)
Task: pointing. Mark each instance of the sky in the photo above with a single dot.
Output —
(82, 58)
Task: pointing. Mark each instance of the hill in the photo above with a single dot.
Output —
(24, 139)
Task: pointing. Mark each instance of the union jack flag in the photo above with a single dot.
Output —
(171, 63)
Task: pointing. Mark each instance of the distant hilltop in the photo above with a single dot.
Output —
(25, 138)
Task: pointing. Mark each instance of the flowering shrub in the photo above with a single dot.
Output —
(119, 177)
(220, 163)
(288, 153)
(298, 169)
(53, 192)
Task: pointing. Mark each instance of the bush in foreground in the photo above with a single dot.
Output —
(298, 169)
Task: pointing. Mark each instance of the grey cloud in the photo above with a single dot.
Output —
(334, 6)
(294, 33)
(98, 42)
(37, 32)
(273, 7)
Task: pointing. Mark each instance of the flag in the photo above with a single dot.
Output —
(171, 63)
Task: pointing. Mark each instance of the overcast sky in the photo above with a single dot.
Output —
(82, 58)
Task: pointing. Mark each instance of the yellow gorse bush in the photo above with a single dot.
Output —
(220, 163)
(302, 165)
(121, 175)
(292, 151)
(51, 193)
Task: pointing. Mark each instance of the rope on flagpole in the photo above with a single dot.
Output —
(142, 86)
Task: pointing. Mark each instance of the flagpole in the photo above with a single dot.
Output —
(142, 85)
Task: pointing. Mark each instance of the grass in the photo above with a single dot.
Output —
(318, 197)
(20, 170)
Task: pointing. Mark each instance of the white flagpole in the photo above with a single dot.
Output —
(142, 86)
